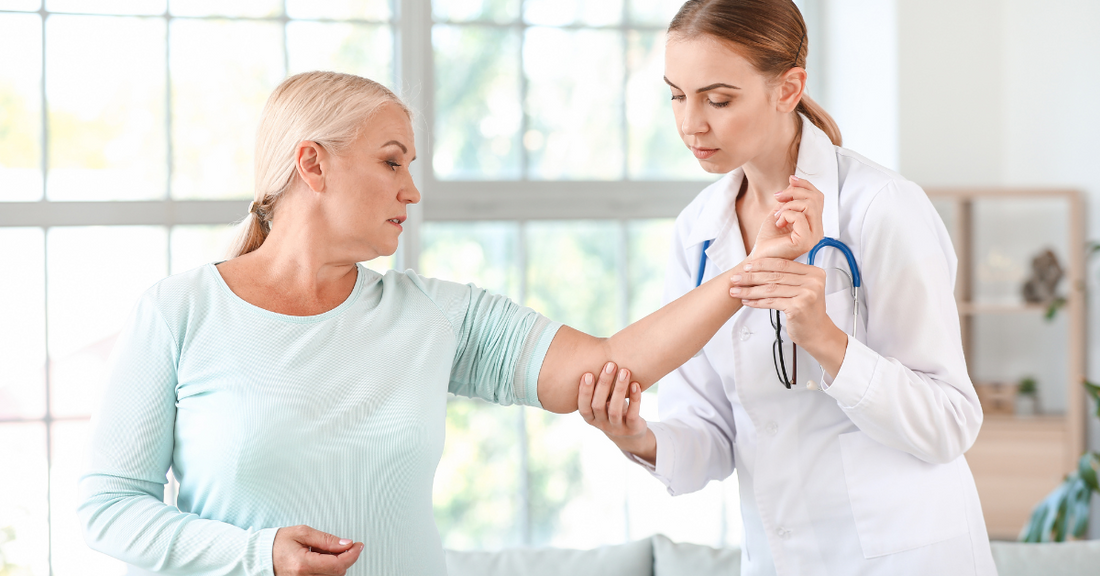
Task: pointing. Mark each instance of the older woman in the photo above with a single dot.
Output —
(300, 398)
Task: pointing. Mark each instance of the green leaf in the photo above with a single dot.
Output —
(1053, 307)
(1086, 470)
(1094, 392)
(1045, 515)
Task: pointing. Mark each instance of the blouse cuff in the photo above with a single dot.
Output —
(531, 358)
(260, 552)
(853, 381)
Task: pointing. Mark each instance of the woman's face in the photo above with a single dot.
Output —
(726, 111)
(371, 186)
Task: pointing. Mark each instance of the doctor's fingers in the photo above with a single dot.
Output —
(767, 291)
(616, 407)
(602, 393)
(584, 397)
(782, 265)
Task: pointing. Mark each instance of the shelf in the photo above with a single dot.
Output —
(970, 309)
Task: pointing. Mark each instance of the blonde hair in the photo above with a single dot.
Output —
(328, 108)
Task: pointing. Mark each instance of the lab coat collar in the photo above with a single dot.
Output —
(718, 219)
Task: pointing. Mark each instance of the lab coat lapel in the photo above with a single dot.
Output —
(817, 163)
(718, 223)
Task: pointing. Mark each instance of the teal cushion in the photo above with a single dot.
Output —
(1061, 558)
(673, 559)
(631, 559)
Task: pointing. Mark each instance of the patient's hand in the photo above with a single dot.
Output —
(612, 404)
(301, 551)
(797, 228)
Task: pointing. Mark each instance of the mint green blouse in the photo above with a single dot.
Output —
(267, 420)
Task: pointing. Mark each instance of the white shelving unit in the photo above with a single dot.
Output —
(1017, 460)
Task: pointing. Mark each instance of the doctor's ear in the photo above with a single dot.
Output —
(790, 86)
(311, 162)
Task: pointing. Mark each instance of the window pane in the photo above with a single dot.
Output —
(576, 483)
(21, 107)
(477, 484)
(95, 277)
(23, 529)
(364, 50)
(28, 5)
(484, 253)
(194, 246)
(574, 100)
(253, 8)
(656, 151)
(217, 102)
(653, 12)
(136, 7)
(649, 245)
(564, 12)
(107, 127)
(572, 274)
(71, 556)
(466, 10)
(22, 324)
(340, 9)
(477, 103)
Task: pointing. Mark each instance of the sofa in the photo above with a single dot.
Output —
(659, 556)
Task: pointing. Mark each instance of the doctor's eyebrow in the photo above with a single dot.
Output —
(704, 88)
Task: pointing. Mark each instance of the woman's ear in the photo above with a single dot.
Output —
(311, 163)
(792, 84)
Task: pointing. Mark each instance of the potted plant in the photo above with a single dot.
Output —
(1065, 511)
(1027, 397)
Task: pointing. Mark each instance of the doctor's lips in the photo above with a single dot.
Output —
(703, 153)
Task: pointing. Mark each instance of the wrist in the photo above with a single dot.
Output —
(642, 445)
(829, 348)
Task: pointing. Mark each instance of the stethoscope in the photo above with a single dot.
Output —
(825, 242)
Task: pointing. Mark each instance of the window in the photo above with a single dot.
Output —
(550, 172)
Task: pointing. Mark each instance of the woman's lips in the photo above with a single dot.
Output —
(703, 153)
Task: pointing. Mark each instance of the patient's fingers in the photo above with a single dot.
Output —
(584, 397)
(616, 407)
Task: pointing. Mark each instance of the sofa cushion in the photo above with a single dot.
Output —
(631, 559)
(1063, 558)
(672, 558)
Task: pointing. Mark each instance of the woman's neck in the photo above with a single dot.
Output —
(770, 170)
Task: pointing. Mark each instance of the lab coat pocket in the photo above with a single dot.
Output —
(900, 502)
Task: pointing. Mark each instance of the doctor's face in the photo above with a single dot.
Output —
(727, 112)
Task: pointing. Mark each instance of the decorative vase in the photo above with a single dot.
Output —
(1027, 405)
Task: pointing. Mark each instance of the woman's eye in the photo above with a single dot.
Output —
(719, 104)
(393, 165)
(677, 97)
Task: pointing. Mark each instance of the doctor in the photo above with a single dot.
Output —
(858, 468)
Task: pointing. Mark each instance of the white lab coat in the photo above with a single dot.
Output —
(867, 476)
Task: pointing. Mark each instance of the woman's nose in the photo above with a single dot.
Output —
(692, 121)
(410, 193)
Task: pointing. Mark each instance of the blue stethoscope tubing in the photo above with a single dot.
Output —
(825, 243)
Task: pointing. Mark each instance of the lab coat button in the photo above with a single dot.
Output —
(783, 533)
(771, 428)
(745, 333)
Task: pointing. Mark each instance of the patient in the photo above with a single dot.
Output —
(299, 397)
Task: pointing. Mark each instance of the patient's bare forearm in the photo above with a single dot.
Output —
(650, 347)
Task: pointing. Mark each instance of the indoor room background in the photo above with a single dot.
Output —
(550, 171)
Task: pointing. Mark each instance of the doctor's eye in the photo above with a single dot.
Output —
(719, 104)
(677, 97)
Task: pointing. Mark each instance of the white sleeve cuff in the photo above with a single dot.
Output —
(666, 456)
(852, 383)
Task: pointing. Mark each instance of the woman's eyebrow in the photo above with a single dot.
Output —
(704, 88)
(404, 149)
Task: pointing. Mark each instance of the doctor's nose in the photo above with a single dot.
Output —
(693, 122)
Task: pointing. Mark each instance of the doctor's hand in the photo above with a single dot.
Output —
(613, 404)
(797, 226)
(797, 290)
(301, 550)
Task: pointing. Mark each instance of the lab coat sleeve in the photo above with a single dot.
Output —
(121, 507)
(696, 430)
(907, 386)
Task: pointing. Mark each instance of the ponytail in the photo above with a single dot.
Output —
(820, 118)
